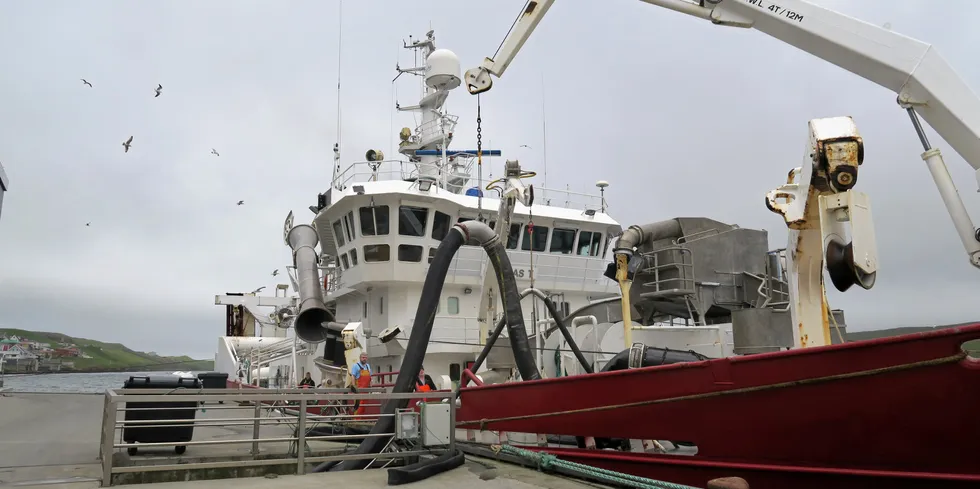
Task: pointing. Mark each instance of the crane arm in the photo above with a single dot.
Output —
(925, 83)
(478, 79)
(911, 68)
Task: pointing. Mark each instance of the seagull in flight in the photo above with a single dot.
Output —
(86, 82)
(127, 144)
(275, 272)
(240, 202)
(525, 146)
(214, 152)
(88, 224)
(158, 90)
(256, 291)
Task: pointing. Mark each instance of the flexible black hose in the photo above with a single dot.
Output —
(511, 301)
(553, 310)
(568, 335)
(414, 353)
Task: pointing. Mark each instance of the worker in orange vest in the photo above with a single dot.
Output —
(361, 373)
(424, 383)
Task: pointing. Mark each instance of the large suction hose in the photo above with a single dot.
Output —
(313, 322)
(422, 330)
(637, 235)
(559, 322)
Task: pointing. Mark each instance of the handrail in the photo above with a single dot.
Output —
(403, 170)
(301, 409)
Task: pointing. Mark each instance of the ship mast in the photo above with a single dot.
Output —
(427, 147)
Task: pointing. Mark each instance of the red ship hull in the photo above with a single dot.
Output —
(900, 411)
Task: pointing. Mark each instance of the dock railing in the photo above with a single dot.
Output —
(283, 420)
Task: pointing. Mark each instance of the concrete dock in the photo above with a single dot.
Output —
(53, 441)
(50, 437)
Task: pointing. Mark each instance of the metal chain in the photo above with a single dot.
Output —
(479, 151)
(479, 133)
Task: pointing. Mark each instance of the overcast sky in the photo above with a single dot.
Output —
(688, 118)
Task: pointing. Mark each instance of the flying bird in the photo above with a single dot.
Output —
(158, 90)
(241, 202)
(88, 224)
(275, 272)
(86, 82)
(214, 152)
(127, 144)
(256, 291)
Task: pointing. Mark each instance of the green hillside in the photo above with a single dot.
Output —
(972, 346)
(111, 356)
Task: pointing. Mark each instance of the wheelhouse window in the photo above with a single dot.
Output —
(343, 259)
(349, 226)
(589, 243)
(353, 257)
(338, 232)
(455, 373)
(562, 241)
(432, 254)
(452, 305)
(440, 225)
(374, 220)
(514, 236)
(377, 253)
(412, 220)
(412, 253)
(535, 239)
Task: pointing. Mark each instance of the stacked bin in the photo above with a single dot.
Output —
(214, 380)
(176, 419)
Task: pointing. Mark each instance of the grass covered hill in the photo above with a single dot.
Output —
(972, 346)
(98, 356)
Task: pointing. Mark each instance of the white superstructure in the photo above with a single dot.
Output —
(385, 219)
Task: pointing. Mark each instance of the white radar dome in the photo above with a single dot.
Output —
(442, 70)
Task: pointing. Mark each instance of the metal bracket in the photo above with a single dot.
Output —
(637, 352)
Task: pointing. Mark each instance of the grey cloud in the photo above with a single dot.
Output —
(697, 119)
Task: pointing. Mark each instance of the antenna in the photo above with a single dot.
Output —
(544, 141)
(602, 184)
(340, 44)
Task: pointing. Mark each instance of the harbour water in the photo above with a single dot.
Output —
(73, 383)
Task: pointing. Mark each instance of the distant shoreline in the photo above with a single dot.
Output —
(97, 371)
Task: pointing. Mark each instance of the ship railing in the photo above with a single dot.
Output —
(565, 198)
(672, 270)
(332, 277)
(435, 128)
(389, 170)
(551, 270)
(372, 171)
(455, 330)
(401, 170)
(559, 270)
(277, 431)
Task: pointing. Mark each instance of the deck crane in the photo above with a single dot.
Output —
(926, 86)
